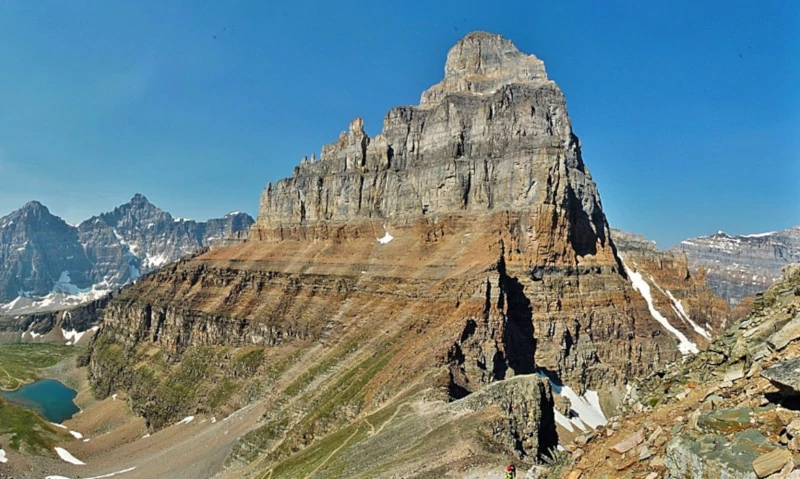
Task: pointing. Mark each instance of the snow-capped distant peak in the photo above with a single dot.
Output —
(759, 235)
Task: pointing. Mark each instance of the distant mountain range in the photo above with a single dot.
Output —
(741, 265)
(47, 264)
(736, 266)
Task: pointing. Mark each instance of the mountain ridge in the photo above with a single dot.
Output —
(41, 256)
(743, 265)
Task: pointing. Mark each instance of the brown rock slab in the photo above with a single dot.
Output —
(790, 332)
(656, 433)
(785, 416)
(629, 442)
(725, 421)
(771, 462)
(793, 428)
(626, 463)
(794, 444)
(574, 474)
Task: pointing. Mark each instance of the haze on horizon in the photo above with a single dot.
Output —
(687, 113)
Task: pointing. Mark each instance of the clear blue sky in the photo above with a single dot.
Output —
(689, 112)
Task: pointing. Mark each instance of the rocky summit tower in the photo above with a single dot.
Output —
(404, 295)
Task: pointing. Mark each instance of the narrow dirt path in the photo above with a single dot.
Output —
(335, 451)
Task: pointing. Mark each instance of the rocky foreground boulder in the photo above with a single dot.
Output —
(418, 303)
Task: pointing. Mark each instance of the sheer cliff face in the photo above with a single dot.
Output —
(493, 136)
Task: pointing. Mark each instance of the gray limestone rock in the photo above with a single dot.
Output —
(716, 456)
(788, 333)
(494, 135)
(786, 376)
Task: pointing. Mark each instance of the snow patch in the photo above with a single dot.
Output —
(56, 300)
(72, 336)
(67, 457)
(3, 458)
(386, 238)
(76, 434)
(185, 420)
(585, 410)
(759, 235)
(639, 284)
(64, 285)
(563, 421)
(156, 261)
(58, 425)
(678, 308)
(110, 474)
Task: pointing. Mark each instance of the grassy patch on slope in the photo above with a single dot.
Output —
(23, 363)
(24, 427)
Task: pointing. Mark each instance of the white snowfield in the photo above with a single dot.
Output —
(678, 308)
(185, 420)
(72, 336)
(76, 434)
(639, 284)
(97, 477)
(3, 458)
(586, 409)
(67, 457)
(386, 238)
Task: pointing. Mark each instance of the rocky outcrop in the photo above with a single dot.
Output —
(46, 264)
(742, 265)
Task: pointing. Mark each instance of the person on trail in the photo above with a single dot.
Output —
(511, 472)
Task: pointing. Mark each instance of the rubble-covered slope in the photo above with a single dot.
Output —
(460, 250)
(732, 411)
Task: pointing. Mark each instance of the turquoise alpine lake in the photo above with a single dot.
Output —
(48, 397)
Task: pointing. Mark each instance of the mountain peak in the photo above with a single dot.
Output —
(139, 199)
(34, 205)
(481, 63)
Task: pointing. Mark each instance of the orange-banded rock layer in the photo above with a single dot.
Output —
(474, 282)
